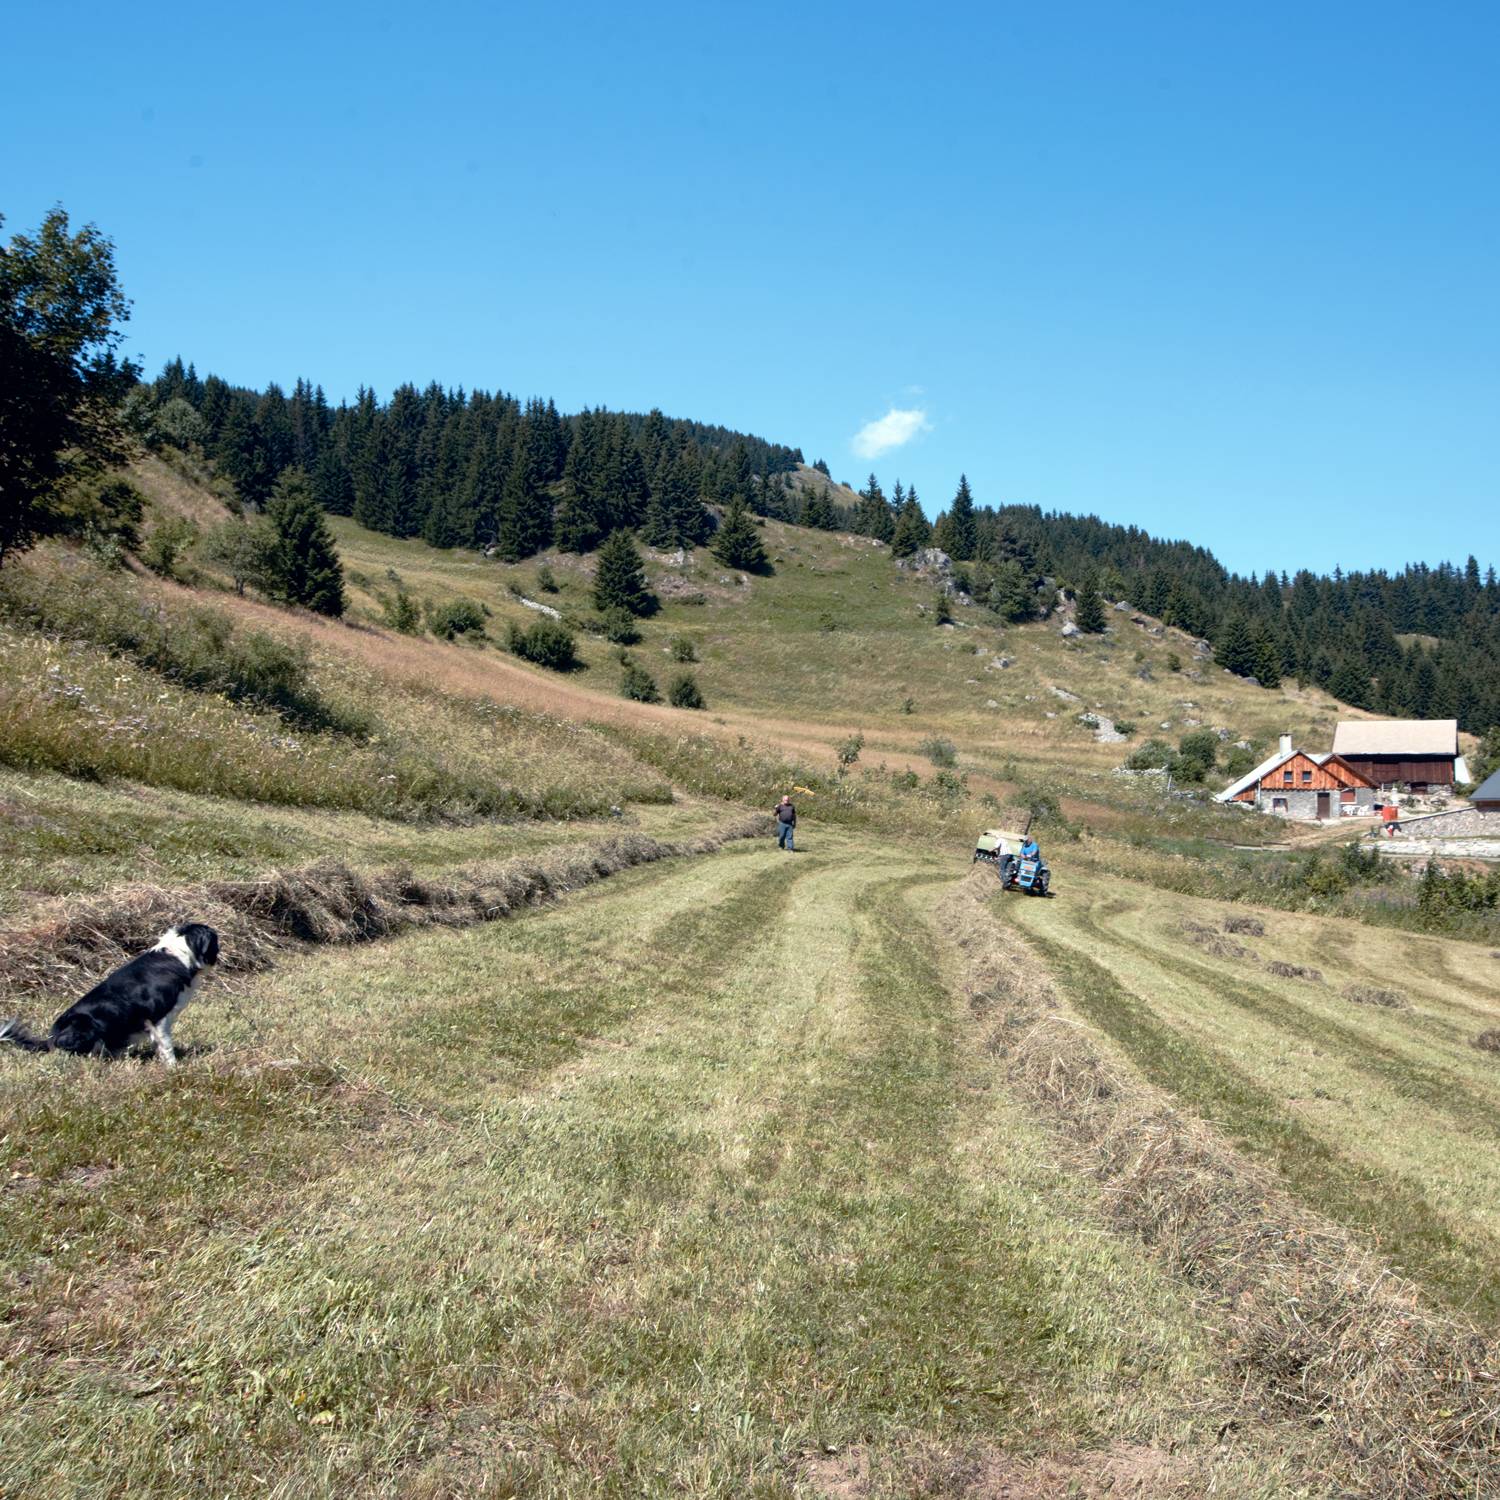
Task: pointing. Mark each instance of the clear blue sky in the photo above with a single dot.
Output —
(1227, 272)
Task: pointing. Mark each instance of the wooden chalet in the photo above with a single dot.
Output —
(1295, 784)
(1416, 755)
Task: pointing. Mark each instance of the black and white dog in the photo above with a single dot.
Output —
(141, 1000)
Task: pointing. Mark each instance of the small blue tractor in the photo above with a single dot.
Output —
(1002, 847)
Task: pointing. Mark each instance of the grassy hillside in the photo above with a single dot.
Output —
(734, 1173)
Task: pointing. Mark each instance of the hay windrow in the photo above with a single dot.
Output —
(1487, 1041)
(1411, 1396)
(1213, 942)
(79, 942)
(1294, 971)
(1366, 994)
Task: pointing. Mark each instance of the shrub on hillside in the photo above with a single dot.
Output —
(848, 750)
(618, 627)
(455, 618)
(684, 691)
(637, 684)
(106, 505)
(1154, 755)
(546, 643)
(683, 649)
(939, 751)
(546, 579)
(401, 612)
(169, 540)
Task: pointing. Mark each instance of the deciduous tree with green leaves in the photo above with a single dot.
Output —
(60, 383)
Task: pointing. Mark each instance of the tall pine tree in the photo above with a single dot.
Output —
(304, 565)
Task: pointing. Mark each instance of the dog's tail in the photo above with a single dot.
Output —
(16, 1034)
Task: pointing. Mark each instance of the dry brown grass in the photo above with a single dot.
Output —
(77, 942)
(1413, 1398)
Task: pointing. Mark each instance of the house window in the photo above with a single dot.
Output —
(1286, 778)
(1307, 778)
(1278, 804)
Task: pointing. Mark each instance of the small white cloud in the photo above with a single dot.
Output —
(892, 430)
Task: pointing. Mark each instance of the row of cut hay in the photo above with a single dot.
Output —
(82, 940)
(1413, 1397)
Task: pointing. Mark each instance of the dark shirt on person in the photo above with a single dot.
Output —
(786, 813)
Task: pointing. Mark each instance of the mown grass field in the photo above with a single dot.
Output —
(696, 1183)
(1356, 1080)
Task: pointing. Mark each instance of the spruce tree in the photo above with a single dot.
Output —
(1235, 649)
(961, 519)
(912, 530)
(525, 506)
(818, 511)
(738, 543)
(1089, 616)
(304, 565)
(620, 578)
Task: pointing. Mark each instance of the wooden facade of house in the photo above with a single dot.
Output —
(1421, 754)
(1306, 786)
(1395, 770)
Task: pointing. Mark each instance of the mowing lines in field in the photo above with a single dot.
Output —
(1460, 1269)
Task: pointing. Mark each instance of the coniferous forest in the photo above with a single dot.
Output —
(481, 470)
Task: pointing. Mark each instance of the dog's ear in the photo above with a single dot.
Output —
(203, 941)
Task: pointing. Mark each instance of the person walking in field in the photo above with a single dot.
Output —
(786, 822)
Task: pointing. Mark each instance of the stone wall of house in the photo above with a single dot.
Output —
(1463, 822)
(1300, 805)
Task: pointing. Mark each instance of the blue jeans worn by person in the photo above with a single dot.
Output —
(784, 836)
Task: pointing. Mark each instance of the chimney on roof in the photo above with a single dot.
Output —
(1286, 744)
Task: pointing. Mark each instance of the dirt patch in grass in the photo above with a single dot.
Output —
(1124, 1469)
(1331, 1333)
(1367, 994)
(1294, 971)
(81, 941)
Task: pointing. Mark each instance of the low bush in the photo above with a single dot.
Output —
(940, 752)
(169, 540)
(401, 612)
(684, 692)
(546, 643)
(637, 683)
(454, 618)
(618, 627)
(683, 649)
